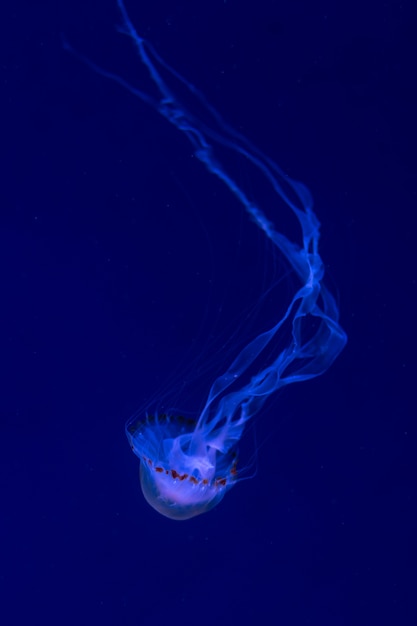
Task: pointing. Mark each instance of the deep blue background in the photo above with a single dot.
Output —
(114, 246)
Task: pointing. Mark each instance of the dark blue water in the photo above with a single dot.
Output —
(120, 256)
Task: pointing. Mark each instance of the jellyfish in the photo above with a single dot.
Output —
(188, 463)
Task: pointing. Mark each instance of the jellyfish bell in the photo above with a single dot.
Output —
(182, 475)
(177, 498)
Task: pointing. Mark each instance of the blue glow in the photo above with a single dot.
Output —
(187, 465)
